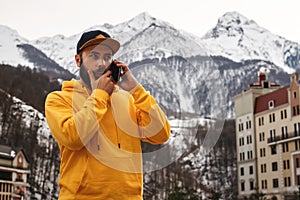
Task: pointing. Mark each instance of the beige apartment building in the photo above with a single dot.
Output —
(274, 168)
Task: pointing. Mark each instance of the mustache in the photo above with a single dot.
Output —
(99, 71)
(85, 76)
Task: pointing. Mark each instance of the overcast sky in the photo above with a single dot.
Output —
(37, 18)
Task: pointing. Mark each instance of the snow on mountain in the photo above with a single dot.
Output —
(128, 29)
(186, 67)
(157, 41)
(140, 37)
(59, 48)
(10, 52)
(234, 37)
(29, 115)
(239, 38)
(16, 50)
(62, 49)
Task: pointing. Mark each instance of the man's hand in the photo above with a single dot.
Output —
(127, 81)
(104, 82)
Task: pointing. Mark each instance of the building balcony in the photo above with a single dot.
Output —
(283, 138)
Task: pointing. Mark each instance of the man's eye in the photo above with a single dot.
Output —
(107, 58)
(95, 56)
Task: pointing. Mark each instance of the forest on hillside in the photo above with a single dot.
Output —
(26, 84)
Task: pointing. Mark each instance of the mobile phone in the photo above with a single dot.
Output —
(115, 72)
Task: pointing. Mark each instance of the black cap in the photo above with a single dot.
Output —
(97, 37)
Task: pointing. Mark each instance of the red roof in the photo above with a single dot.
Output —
(279, 97)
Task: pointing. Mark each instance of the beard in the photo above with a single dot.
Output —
(84, 75)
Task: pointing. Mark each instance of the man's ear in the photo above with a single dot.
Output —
(78, 60)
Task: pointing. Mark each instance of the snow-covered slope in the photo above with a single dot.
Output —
(10, 52)
(59, 48)
(28, 115)
(16, 50)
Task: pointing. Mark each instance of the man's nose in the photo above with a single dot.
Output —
(103, 63)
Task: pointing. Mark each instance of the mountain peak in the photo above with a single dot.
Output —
(231, 24)
(7, 32)
(234, 19)
(145, 16)
(142, 21)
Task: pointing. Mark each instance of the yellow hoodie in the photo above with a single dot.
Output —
(99, 139)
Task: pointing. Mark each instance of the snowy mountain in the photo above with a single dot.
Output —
(197, 74)
(140, 38)
(234, 37)
(10, 52)
(16, 50)
(238, 38)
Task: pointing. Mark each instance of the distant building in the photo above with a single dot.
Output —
(268, 139)
(13, 174)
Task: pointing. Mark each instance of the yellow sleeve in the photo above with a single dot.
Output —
(154, 125)
(75, 129)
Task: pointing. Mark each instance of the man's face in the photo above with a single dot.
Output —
(96, 58)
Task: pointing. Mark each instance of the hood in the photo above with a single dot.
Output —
(74, 86)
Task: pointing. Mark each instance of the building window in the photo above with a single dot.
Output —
(249, 139)
(262, 136)
(284, 132)
(273, 150)
(242, 171)
(242, 156)
(241, 141)
(272, 117)
(250, 169)
(273, 135)
(264, 184)
(283, 114)
(295, 94)
(274, 166)
(285, 147)
(263, 168)
(298, 180)
(242, 186)
(241, 127)
(262, 152)
(297, 163)
(297, 129)
(286, 164)
(296, 110)
(275, 183)
(297, 144)
(271, 104)
(287, 181)
(248, 124)
(250, 155)
(260, 121)
(251, 185)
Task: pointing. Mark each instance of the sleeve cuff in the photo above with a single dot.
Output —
(100, 94)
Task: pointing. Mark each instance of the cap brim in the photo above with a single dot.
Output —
(113, 44)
